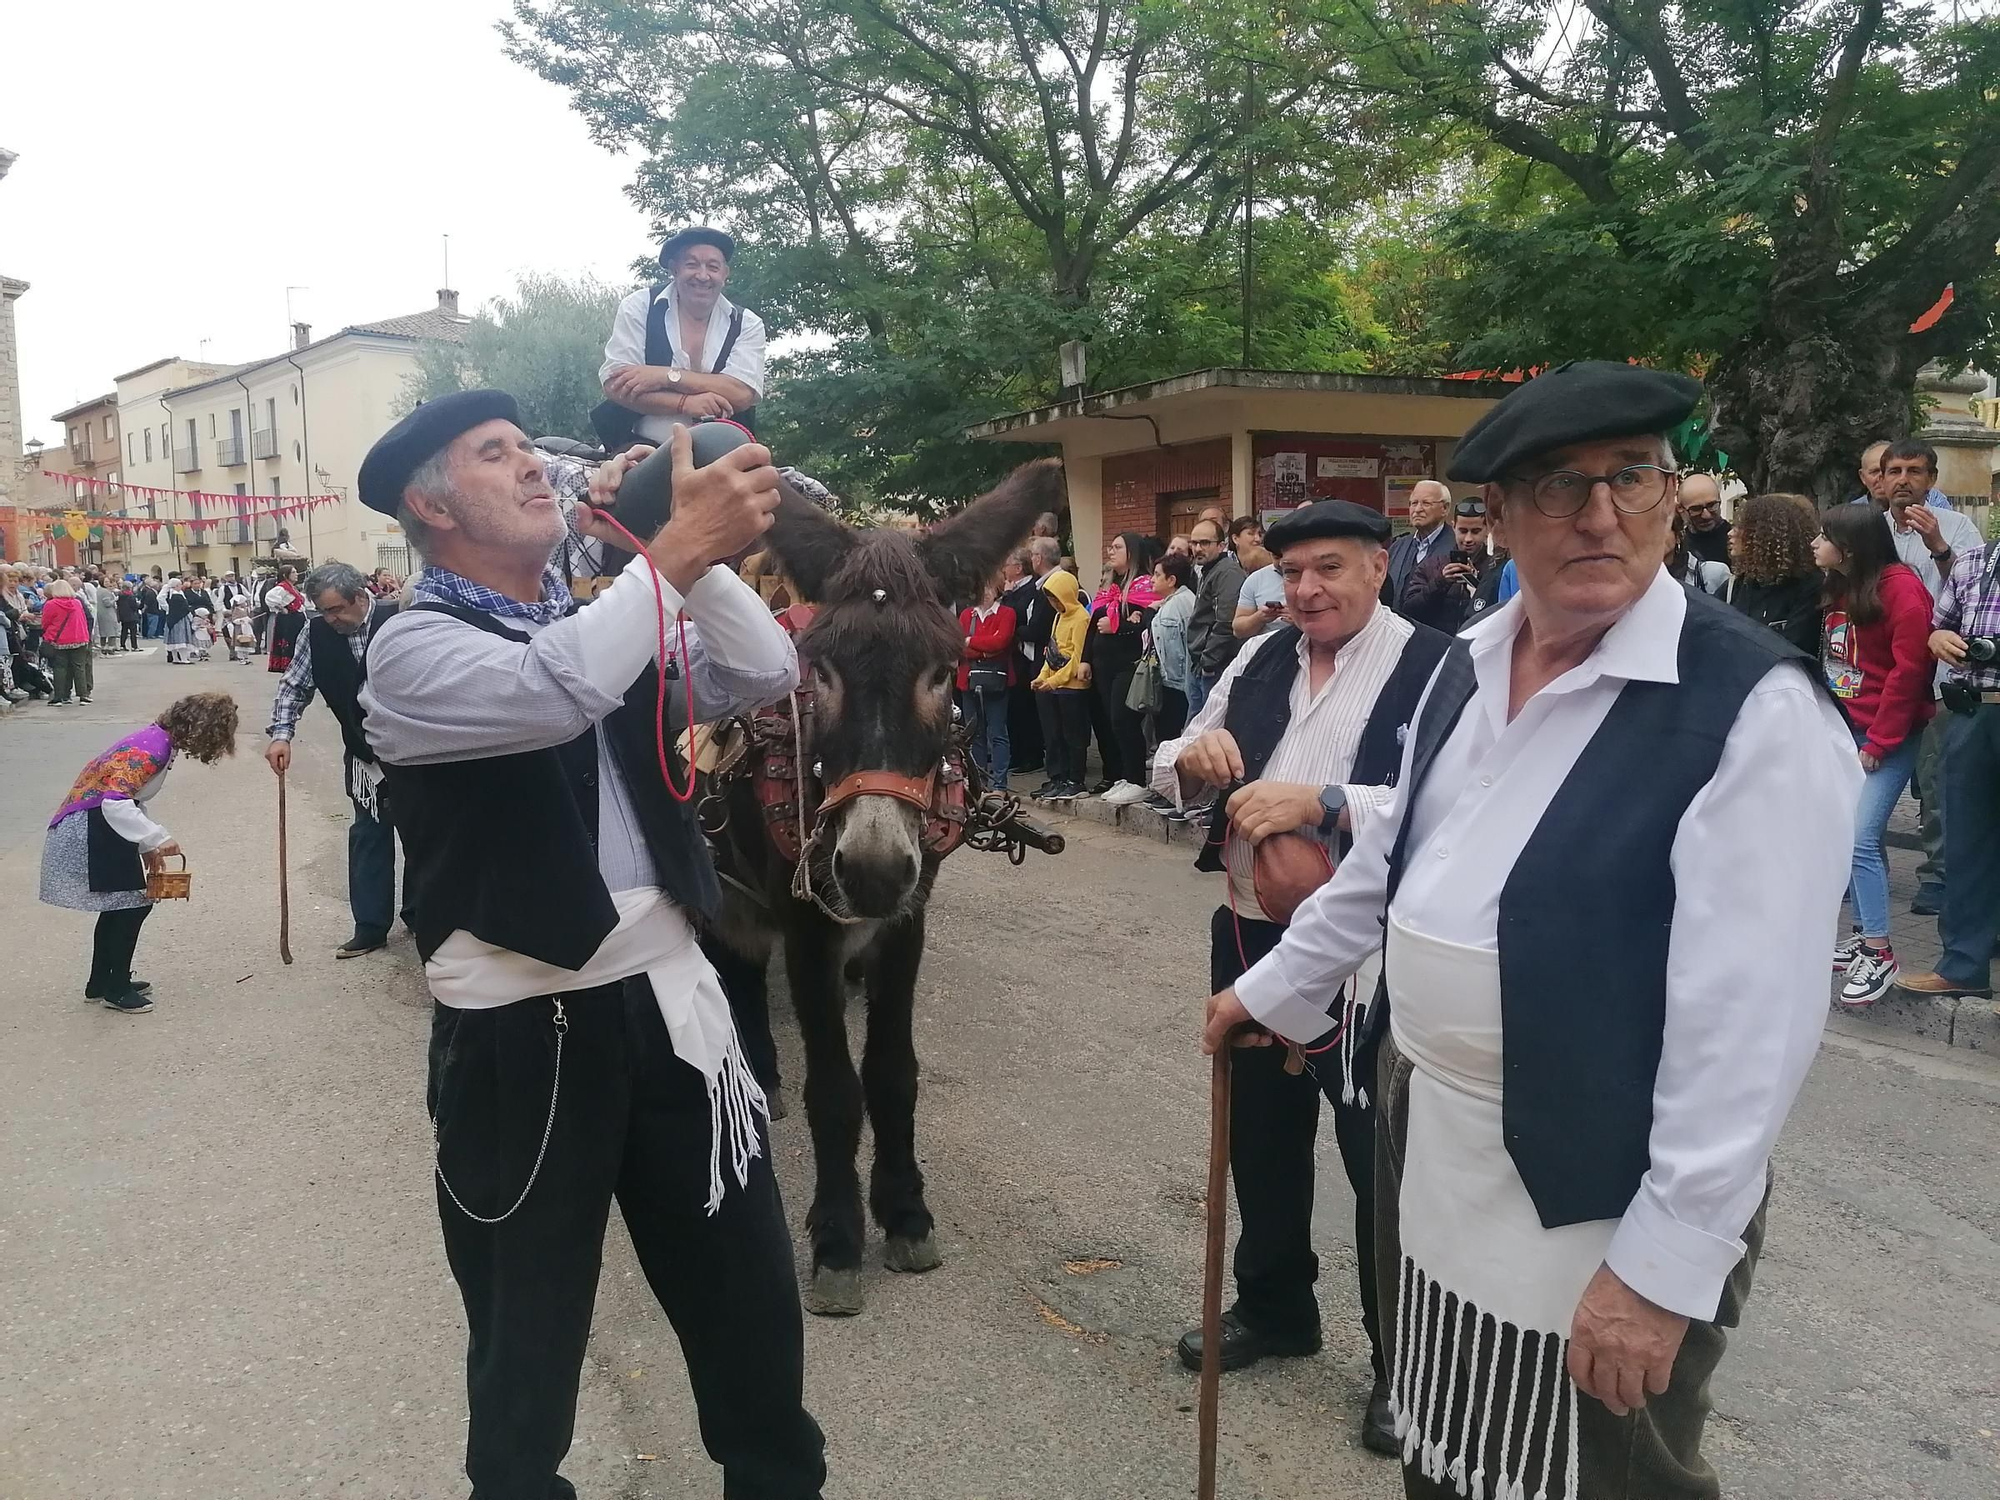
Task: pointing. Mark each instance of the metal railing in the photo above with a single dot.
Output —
(229, 451)
(187, 460)
(264, 443)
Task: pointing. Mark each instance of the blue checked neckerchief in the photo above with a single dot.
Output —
(446, 587)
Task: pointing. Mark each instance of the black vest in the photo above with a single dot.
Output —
(1260, 710)
(618, 425)
(1587, 912)
(505, 847)
(338, 676)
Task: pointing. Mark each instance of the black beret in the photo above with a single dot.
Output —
(1325, 518)
(1580, 402)
(696, 234)
(420, 437)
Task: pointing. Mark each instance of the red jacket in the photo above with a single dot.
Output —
(987, 639)
(64, 623)
(1893, 700)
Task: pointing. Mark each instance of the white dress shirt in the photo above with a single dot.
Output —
(627, 346)
(1760, 861)
(1318, 745)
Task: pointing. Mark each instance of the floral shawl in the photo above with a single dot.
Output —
(119, 772)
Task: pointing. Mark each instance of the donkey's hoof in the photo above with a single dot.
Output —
(905, 1254)
(835, 1292)
(774, 1101)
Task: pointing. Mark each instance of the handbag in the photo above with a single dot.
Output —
(1146, 693)
(985, 677)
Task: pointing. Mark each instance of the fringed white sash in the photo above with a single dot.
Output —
(1481, 1390)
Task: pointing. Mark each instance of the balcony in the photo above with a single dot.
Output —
(264, 443)
(187, 460)
(229, 451)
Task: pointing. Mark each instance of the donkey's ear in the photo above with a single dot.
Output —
(809, 542)
(966, 550)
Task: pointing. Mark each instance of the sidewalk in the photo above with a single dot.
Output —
(1970, 1023)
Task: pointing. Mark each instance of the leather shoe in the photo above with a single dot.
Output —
(1929, 983)
(360, 943)
(1928, 901)
(1378, 1423)
(1243, 1345)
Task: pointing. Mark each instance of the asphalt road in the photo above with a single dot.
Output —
(220, 1272)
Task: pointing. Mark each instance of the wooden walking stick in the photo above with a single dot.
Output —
(1211, 1271)
(284, 885)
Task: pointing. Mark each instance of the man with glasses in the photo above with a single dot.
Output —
(1707, 532)
(1603, 886)
(1212, 645)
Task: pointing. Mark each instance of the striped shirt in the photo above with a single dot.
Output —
(1319, 743)
(1971, 606)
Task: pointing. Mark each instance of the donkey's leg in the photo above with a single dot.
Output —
(833, 1109)
(889, 1075)
(747, 985)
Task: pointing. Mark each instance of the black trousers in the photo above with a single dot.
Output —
(1065, 715)
(112, 946)
(631, 1122)
(128, 635)
(1024, 722)
(1121, 734)
(1273, 1122)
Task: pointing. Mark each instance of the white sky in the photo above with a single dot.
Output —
(181, 165)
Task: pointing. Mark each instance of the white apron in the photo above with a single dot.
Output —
(1480, 1389)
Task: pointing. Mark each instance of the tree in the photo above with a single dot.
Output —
(940, 192)
(543, 345)
(1769, 192)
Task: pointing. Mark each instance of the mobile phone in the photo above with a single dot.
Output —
(645, 497)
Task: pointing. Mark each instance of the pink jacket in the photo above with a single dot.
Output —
(64, 623)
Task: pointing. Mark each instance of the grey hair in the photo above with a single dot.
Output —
(1021, 558)
(432, 480)
(1047, 548)
(341, 578)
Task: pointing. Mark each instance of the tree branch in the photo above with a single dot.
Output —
(1643, 32)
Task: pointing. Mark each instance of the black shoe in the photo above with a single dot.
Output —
(131, 1002)
(1928, 901)
(1378, 1423)
(95, 990)
(1243, 1345)
(1102, 787)
(360, 943)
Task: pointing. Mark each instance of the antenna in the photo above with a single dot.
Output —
(288, 308)
(447, 260)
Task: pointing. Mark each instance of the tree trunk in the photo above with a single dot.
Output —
(1794, 409)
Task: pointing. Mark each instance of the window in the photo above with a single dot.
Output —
(211, 424)
(109, 435)
(75, 441)
(149, 445)
(295, 395)
(274, 489)
(242, 489)
(166, 439)
(131, 451)
(236, 424)
(271, 413)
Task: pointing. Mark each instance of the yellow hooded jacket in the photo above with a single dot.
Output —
(1067, 638)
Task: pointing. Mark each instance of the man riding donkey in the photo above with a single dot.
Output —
(1604, 887)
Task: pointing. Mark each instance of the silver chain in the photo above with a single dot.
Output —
(555, 1088)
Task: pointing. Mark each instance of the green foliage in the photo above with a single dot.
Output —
(543, 345)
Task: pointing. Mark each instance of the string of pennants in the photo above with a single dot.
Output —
(242, 504)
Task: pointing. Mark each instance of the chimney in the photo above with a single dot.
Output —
(302, 334)
(448, 302)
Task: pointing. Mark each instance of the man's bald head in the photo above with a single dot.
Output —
(1701, 501)
(1871, 471)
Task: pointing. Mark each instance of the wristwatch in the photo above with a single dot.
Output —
(1331, 800)
(674, 374)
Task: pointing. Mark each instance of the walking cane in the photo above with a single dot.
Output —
(1211, 1271)
(284, 885)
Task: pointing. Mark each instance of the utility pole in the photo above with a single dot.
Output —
(1249, 196)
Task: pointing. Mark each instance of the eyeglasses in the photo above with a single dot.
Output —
(1635, 489)
(1702, 508)
(1471, 508)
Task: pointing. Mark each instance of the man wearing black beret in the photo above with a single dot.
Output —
(582, 1049)
(680, 351)
(1304, 729)
(1604, 888)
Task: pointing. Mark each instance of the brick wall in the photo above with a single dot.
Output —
(1134, 483)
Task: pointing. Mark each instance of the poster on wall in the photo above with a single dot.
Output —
(1349, 468)
(1403, 464)
(1288, 474)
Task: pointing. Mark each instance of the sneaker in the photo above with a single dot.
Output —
(1098, 790)
(131, 1002)
(83, 700)
(1067, 791)
(1844, 951)
(1869, 977)
(1124, 794)
(1044, 789)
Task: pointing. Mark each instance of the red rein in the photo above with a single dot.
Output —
(687, 669)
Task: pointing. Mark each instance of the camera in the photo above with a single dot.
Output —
(1982, 648)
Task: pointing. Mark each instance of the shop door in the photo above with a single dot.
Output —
(1179, 512)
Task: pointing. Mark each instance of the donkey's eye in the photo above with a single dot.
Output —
(942, 677)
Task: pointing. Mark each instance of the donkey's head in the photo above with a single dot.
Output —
(882, 652)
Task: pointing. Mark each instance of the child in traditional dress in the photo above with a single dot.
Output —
(241, 636)
(204, 634)
(101, 842)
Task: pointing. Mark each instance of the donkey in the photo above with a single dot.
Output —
(880, 658)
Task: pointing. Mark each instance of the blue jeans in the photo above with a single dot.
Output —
(371, 874)
(986, 717)
(156, 625)
(1868, 886)
(1971, 846)
(1198, 689)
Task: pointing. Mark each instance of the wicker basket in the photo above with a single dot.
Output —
(170, 885)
